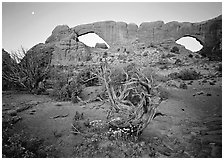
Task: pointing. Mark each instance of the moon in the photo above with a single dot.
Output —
(33, 13)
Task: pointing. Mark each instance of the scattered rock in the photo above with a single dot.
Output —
(193, 133)
(32, 112)
(212, 82)
(200, 93)
(204, 81)
(58, 104)
(145, 53)
(208, 94)
(190, 83)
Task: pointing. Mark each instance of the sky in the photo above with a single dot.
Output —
(27, 24)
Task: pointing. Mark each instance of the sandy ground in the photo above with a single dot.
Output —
(190, 127)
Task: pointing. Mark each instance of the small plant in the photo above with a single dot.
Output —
(175, 49)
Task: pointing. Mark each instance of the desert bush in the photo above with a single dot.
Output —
(28, 69)
(117, 77)
(20, 144)
(67, 92)
(64, 90)
(86, 77)
(175, 49)
(185, 74)
(67, 85)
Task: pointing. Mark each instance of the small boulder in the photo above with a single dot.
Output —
(12, 112)
(145, 53)
(200, 93)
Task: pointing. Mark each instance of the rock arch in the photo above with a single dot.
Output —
(193, 36)
(91, 39)
(190, 43)
(208, 33)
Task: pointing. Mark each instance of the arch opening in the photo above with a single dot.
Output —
(90, 39)
(190, 43)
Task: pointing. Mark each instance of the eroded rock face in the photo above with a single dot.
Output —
(69, 50)
(61, 32)
(208, 33)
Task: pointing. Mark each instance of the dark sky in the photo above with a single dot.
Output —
(21, 27)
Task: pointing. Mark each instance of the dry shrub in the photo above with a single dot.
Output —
(28, 68)
(62, 89)
(185, 74)
(68, 85)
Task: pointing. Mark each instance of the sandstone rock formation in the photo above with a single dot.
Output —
(69, 50)
(208, 33)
